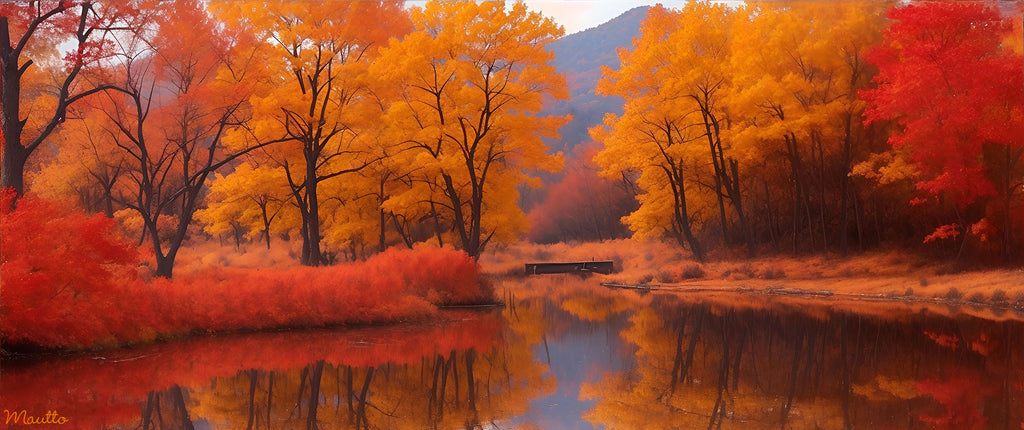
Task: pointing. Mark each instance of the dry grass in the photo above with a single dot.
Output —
(892, 275)
(198, 256)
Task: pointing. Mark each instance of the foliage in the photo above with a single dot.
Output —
(582, 205)
(68, 277)
(469, 80)
(947, 80)
(671, 81)
(30, 33)
(317, 103)
(254, 200)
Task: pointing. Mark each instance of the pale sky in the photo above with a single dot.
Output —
(579, 15)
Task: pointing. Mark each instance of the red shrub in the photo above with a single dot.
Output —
(70, 281)
(59, 265)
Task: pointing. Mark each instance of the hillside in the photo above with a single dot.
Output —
(555, 210)
(580, 57)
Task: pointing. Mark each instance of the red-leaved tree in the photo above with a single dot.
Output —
(948, 80)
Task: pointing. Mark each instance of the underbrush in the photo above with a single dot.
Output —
(70, 281)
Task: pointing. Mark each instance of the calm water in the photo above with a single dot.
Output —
(565, 354)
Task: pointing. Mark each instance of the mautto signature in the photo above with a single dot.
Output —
(22, 417)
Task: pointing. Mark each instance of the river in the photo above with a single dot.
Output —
(564, 353)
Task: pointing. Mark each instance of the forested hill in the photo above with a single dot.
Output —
(580, 56)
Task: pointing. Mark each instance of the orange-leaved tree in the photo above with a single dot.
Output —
(953, 86)
(181, 83)
(796, 71)
(473, 76)
(318, 102)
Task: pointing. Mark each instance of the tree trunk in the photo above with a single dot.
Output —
(470, 380)
(13, 173)
(437, 224)
(682, 214)
(737, 203)
(844, 187)
(252, 399)
(15, 156)
(179, 405)
(266, 224)
(312, 238)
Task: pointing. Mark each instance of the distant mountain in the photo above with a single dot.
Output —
(580, 56)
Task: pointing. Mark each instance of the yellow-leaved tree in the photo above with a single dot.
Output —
(471, 78)
(672, 122)
(796, 68)
(317, 102)
(249, 201)
(731, 108)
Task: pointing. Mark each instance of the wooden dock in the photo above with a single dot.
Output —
(579, 267)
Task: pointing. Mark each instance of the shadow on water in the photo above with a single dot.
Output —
(565, 353)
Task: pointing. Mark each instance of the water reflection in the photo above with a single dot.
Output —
(565, 353)
(719, 365)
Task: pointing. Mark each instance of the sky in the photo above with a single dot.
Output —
(579, 15)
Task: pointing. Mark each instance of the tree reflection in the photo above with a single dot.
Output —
(716, 366)
(689, 362)
(448, 388)
(166, 410)
(315, 379)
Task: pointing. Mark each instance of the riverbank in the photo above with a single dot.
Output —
(45, 312)
(876, 276)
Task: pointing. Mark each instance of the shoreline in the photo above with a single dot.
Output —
(783, 291)
(445, 315)
(891, 275)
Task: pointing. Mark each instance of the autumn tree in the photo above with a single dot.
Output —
(684, 56)
(953, 87)
(178, 92)
(318, 103)
(582, 206)
(88, 166)
(672, 81)
(252, 200)
(796, 70)
(472, 77)
(29, 33)
(382, 179)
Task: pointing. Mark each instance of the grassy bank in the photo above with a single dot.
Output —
(391, 287)
(889, 275)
